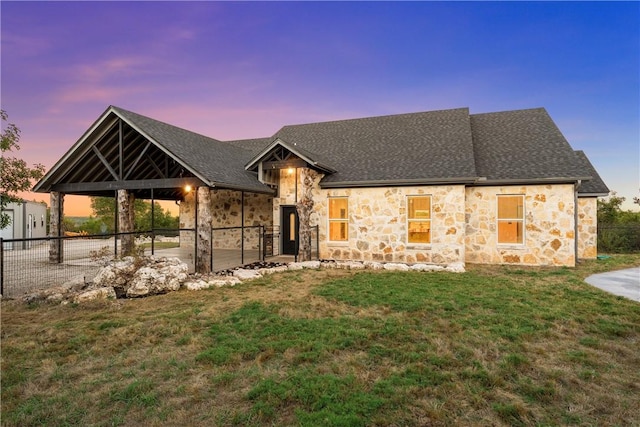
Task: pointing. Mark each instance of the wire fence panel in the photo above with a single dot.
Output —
(235, 246)
(30, 264)
(26, 264)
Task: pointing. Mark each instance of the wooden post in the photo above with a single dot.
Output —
(304, 206)
(203, 232)
(56, 227)
(125, 221)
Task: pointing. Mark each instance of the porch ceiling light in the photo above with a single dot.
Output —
(187, 188)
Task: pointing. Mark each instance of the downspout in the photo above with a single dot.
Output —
(575, 218)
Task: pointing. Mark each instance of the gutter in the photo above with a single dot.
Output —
(575, 218)
(397, 182)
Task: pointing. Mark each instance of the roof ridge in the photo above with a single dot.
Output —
(511, 111)
(374, 117)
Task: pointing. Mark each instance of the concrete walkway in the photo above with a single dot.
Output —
(625, 283)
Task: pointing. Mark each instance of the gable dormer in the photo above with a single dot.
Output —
(282, 155)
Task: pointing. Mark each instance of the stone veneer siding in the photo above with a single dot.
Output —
(226, 211)
(378, 222)
(587, 227)
(549, 226)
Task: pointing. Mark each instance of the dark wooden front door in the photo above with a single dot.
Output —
(289, 229)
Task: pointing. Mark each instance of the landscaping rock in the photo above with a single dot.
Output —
(272, 270)
(456, 267)
(351, 265)
(75, 284)
(396, 267)
(243, 274)
(373, 265)
(196, 285)
(100, 293)
(427, 267)
(303, 264)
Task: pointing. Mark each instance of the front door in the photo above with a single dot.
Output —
(289, 229)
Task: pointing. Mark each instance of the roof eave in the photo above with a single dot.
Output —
(593, 194)
(262, 188)
(43, 186)
(527, 181)
(256, 159)
(398, 182)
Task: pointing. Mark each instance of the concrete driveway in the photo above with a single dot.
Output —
(625, 283)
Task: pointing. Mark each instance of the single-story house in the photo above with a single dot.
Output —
(430, 187)
(27, 221)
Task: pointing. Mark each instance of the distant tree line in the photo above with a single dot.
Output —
(104, 211)
(618, 229)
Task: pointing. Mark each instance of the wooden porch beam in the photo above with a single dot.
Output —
(137, 160)
(145, 184)
(105, 163)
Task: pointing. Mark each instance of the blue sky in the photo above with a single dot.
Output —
(243, 70)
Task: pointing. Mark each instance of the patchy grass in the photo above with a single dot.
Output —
(493, 346)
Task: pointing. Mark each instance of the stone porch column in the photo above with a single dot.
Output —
(203, 232)
(305, 208)
(125, 222)
(56, 227)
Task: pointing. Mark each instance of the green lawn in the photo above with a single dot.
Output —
(493, 346)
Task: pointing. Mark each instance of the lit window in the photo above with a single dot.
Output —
(339, 219)
(511, 219)
(419, 219)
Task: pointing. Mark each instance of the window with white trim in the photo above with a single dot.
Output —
(419, 219)
(338, 219)
(511, 219)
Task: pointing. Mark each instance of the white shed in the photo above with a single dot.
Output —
(28, 220)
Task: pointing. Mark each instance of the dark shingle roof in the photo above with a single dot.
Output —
(220, 163)
(253, 145)
(594, 186)
(416, 147)
(522, 145)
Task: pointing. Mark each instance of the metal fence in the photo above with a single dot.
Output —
(25, 264)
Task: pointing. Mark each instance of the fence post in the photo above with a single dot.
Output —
(317, 241)
(260, 237)
(153, 240)
(1, 266)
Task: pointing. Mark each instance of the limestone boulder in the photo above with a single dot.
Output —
(244, 274)
(100, 293)
(392, 266)
(159, 276)
(456, 267)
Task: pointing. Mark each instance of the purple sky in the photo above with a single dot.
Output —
(243, 70)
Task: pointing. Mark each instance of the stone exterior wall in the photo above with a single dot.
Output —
(188, 220)
(549, 226)
(226, 210)
(378, 225)
(587, 227)
(463, 223)
(287, 194)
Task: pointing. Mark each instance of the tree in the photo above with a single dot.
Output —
(105, 211)
(609, 209)
(15, 174)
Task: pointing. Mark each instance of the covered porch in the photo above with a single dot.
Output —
(126, 156)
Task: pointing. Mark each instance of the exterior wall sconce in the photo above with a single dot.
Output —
(187, 188)
(290, 171)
